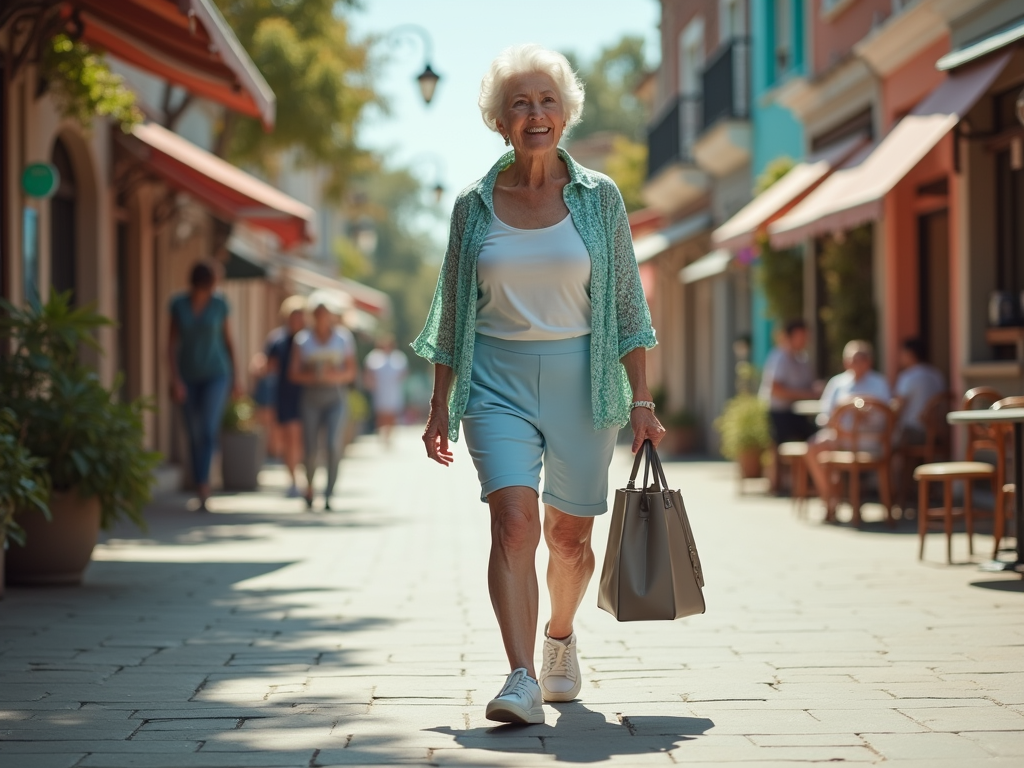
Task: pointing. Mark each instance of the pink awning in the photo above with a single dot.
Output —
(853, 194)
(741, 230)
(228, 191)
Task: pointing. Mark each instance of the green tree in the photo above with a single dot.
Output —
(610, 81)
(403, 263)
(321, 80)
(848, 312)
(781, 272)
(612, 106)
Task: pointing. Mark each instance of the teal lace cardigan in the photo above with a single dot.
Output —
(621, 321)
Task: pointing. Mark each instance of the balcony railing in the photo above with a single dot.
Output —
(726, 83)
(670, 138)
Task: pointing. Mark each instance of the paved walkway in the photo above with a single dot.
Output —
(263, 635)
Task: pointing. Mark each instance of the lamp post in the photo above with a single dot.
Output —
(428, 78)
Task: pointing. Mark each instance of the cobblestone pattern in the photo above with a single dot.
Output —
(264, 635)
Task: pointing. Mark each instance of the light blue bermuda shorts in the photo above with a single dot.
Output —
(529, 404)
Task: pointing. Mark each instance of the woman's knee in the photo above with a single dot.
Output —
(515, 522)
(568, 537)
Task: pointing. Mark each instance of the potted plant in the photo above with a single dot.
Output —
(743, 426)
(24, 484)
(90, 442)
(680, 433)
(242, 450)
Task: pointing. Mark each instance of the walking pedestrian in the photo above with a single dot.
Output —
(384, 374)
(201, 357)
(538, 334)
(288, 394)
(323, 362)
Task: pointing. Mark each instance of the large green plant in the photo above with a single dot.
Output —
(24, 484)
(782, 277)
(848, 311)
(743, 426)
(87, 438)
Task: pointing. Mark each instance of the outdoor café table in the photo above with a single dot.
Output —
(1013, 416)
(807, 407)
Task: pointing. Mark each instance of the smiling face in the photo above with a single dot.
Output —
(534, 116)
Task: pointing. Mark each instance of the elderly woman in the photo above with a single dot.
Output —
(538, 333)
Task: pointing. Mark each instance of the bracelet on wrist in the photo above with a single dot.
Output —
(642, 404)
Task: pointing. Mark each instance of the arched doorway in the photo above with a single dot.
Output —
(63, 225)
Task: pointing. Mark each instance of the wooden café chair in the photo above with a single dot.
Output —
(980, 437)
(936, 445)
(794, 455)
(863, 428)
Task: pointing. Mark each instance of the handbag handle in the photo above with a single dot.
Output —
(650, 456)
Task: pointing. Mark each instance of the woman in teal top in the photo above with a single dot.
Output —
(202, 360)
(538, 333)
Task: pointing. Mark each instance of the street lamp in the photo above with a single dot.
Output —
(427, 80)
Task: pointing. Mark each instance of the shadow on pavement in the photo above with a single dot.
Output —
(1001, 585)
(584, 736)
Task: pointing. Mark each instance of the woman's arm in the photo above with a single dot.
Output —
(645, 424)
(296, 373)
(173, 340)
(435, 436)
(229, 345)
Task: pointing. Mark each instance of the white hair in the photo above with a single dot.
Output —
(529, 59)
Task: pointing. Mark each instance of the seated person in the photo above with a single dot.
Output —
(917, 383)
(858, 380)
(788, 377)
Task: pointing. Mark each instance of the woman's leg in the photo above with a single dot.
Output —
(570, 566)
(512, 571)
(334, 423)
(310, 429)
(192, 415)
(292, 446)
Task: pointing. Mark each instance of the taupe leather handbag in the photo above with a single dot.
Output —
(651, 568)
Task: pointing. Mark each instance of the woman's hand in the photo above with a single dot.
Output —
(435, 436)
(645, 427)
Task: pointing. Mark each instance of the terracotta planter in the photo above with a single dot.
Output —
(241, 458)
(58, 551)
(681, 441)
(750, 463)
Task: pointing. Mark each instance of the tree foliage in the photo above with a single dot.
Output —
(401, 264)
(320, 77)
(610, 80)
(781, 272)
(83, 85)
(848, 312)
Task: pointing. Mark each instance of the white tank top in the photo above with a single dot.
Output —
(533, 284)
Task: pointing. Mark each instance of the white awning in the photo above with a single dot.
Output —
(741, 230)
(990, 44)
(649, 246)
(708, 265)
(853, 195)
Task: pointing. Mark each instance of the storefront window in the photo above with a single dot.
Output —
(1009, 223)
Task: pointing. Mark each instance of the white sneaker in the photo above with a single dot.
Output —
(519, 701)
(560, 675)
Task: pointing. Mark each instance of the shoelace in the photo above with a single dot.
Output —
(516, 685)
(559, 660)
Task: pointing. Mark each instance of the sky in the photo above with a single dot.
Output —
(446, 140)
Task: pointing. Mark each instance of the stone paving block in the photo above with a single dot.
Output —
(866, 721)
(292, 759)
(807, 740)
(52, 759)
(330, 758)
(1001, 743)
(959, 719)
(948, 746)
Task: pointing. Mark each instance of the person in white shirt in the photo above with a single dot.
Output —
(384, 374)
(917, 383)
(857, 380)
(324, 364)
